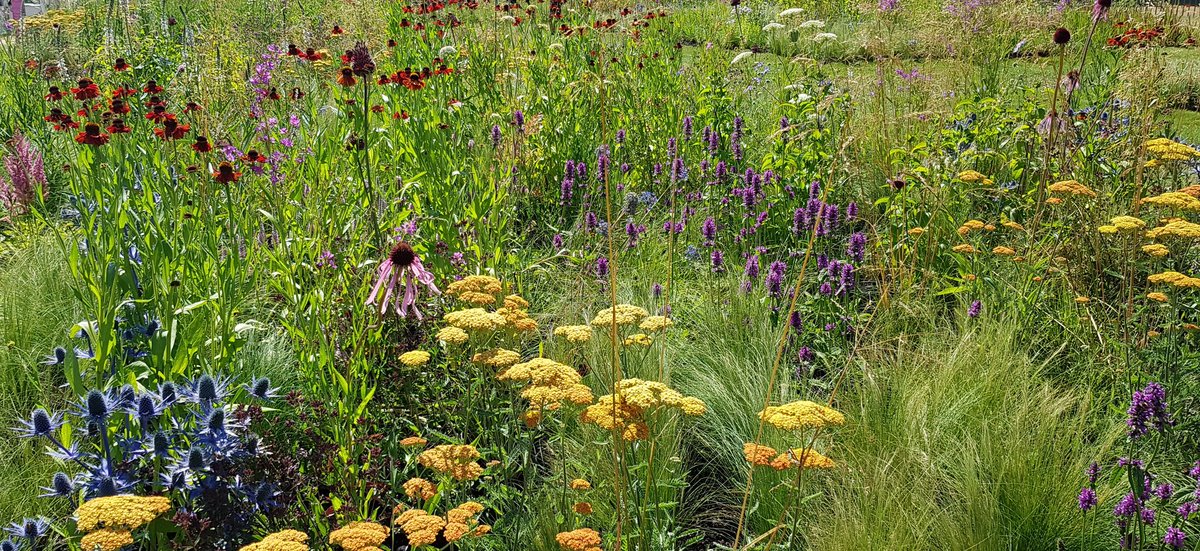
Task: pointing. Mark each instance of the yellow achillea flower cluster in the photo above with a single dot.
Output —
(574, 333)
(580, 484)
(419, 488)
(458, 461)
(1157, 250)
(452, 335)
(766, 456)
(106, 539)
(286, 540)
(461, 521)
(654, 324)
(496, 357)
(1014, 226)
(548, 384)
(518, 320)
(970, 226)
(638, 339)
(70, 22)
(1071, 187)
(583, 508)
(1176, 228)
(916, 232)
(1174, 200)
(475, 289)
(421, 528)
(974, 177)
(475, 319)
(516, 302)
(1170, 150)
(1157, 296)
(1122, 223)
(1082, 300)
(1175, 279)
(1193, 190)
(626, 410)
(359, 536)
(582, 539)
(413, 441)
(414, 358)
(122, 512)
(964, 248)
(801, 414)
(1003, 251)
(627, 314)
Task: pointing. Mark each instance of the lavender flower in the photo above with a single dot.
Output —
(709, 230)
(775, 274)
(1174, 537)
(856, 248)
(751, 270)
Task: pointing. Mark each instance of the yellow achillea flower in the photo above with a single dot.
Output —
(413, 441)
(809, 458)
(106, 539)
(1003, 251)
(583, 508)
(639, 339)
(916, 232)
(580, 484)
(1175, 279)
(654, 324)
(1014, 226)
(465, 512)
(286, 540)
(359, 536)
(1157, 296)
(990, 227)
(452, 335)
(1054, 201)
(123, 511)
(421, 528)
(626, 314)
(516, 302)
(497, 357)
(475, 289)
(1107, 230)
(974, 177)
(1176, 228)
(414, 358)
(1128, 223)
(1082, 300)
(458, 461)
(1071, 187)
(475, 319)
(1151, 163)
(574, 333)
(625, 411)
(964, 248)
(1170, 150)
(419, 488)
(1174, 200)
(970, 226)
(1157, 250)
(582, 539)
(548, 384)
(518, 320)
(763, 456)
(801, 414)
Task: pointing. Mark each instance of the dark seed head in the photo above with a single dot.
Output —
(403, 255)
(1062, 36)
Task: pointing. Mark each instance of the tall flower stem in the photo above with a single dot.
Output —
(364, 165)
(1052, 117)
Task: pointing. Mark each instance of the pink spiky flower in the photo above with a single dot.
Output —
(402, 267)
(26, 175)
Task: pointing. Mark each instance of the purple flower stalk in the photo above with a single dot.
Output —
(402, 266)
(975, 309)
(26, 175)
(1087, 499)
(1148, 409)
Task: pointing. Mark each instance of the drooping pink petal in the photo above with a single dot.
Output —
(385, 269)
(410, 290)
(391, 288)
(425, 276)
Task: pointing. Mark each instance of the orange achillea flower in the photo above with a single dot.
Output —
(582, 539)
(457, 461)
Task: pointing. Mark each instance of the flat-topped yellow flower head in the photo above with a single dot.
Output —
(127, 512)
(801, 415)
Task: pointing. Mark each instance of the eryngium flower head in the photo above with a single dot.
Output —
(40, 423)
(261, 388)
(95, 407)
(60, 486)
(30, 529)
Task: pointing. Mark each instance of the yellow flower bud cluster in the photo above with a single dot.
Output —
(1071, 187)
(625, 411)
(800, 415)
(547, 385)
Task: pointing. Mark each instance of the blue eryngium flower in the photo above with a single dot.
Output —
(8, 545)
(40, 423)
(30, 529)
(206, 390)
(168, 394)
(261, 388)
(57, 358)
(60, 486)
(95, 407)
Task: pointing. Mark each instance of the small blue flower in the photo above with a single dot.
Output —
(261, 388)
(95, 407)
(61, 485)
(40, 423)
(57, 358)
(206, 390)
(32, 529)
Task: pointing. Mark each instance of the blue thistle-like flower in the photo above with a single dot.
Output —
(31, 529)
(62, 485)
(261, 388)
(57, 357)
(95, 407)
(195, 460)
(206, 390)
(40, 423)
(168, 394)
(8, 545)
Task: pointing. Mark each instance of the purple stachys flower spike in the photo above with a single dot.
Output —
(1148, 516)
(601, 267)
(1174, 538)
(590, 221)
(709, 230)
(822, 261)
(1127, 507)
(1093, 472)
(558, 241)
(402, 268)
(851, 211)
(519, 120)
(1087, 499)
(714, 141)
(1195, 471)
(602, 163)
(495, 135)
(718, 260)
(569, 169)
(722, 170)
(678, 170)
(567, 188)
(1187, 509)
(657, 170)
(580, 171)
(1148, 409)
(806, 354)
(737, 124)
(625, 168)
(26, 175)
(620, 138)
(672, 147)
(775, 273)
(687, 127)
(799, 220)
(1164, 491)
(657, 290)
(846, 278)
(784, 124)
(735, 142)
(751, 269)
(975, 309)
(856, 248)
(826, 289)
(814, 190)
(796, 323)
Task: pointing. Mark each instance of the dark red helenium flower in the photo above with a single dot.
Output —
(226, 174)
